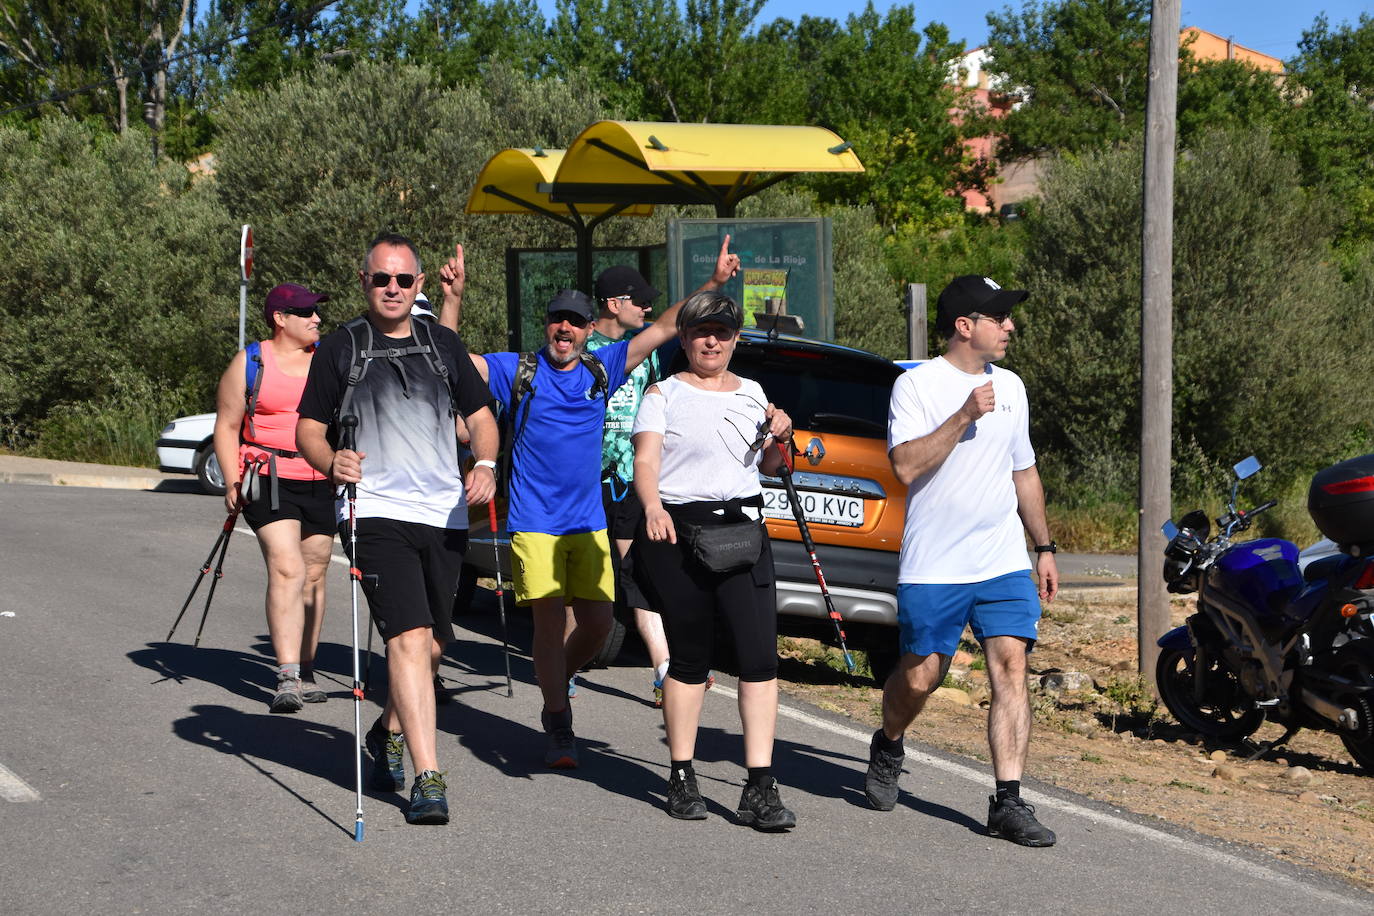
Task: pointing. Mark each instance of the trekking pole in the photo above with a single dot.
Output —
(347, 441)
(500, 593)
(222, 545)
(786, 473)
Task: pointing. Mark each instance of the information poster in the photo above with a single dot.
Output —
(760, 286)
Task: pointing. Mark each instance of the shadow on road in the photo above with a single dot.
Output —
(289, 741)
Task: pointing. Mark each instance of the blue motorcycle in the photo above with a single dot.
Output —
(1270, 640)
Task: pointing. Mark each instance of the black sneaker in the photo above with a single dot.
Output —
(427, 802)
(561, 753)
(760, 808)
(1014, 819)
(684, 798)
(880, 782)
(388, 752)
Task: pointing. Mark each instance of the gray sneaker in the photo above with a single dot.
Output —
(561, 753)
(288, 697)
(312, 692)
(880, 782)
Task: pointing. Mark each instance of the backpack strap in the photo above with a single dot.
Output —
(436, 363)
(252, 370)
(602, 383)
(358, 329)
(522, 386)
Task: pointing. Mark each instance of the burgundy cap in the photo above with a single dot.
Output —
(290, 296)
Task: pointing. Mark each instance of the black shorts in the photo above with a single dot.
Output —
(410, 573)
(623, 516)
(622, 513)
(693, 601)
(310, 502)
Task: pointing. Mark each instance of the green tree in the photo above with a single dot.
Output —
(1263, 325)
(139, 259)
(1331, 85)
(1226, 95)
(323, 161)
(883, 85)
(1081, 67)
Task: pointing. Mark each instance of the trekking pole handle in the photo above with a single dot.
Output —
(348, 439)
(785, 450)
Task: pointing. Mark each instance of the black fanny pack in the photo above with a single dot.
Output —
(725, 548)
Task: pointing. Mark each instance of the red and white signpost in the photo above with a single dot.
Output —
(245, 271)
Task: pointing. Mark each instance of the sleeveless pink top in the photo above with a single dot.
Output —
(274, 421)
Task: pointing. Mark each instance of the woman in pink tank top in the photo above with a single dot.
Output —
(290, 506)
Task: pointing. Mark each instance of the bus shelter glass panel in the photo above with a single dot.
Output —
(786, 269)
(535, 275)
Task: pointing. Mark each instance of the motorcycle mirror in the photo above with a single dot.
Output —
(1248, 467)
(1198, 523)
(1170, 529)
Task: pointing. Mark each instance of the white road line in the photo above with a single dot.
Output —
(14, 789)
(1216, 856)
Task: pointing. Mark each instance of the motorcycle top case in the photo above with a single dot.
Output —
(1263, 573)
(1341, 502)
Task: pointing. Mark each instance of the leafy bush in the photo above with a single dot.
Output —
(1266, 331)
(119, 276)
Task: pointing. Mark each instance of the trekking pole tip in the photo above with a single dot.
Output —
(849, 662)
(358, 831)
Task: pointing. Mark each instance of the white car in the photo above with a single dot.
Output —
(187, 446)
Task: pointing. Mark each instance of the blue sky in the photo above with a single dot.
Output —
(1270, 26)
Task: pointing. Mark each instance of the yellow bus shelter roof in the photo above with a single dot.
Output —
(518, 181)
(670, 162)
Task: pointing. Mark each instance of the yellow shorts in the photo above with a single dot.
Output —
(562, 565)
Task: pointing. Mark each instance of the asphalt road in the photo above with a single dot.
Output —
(142, 776)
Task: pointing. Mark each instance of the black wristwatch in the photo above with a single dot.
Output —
(1051, 547)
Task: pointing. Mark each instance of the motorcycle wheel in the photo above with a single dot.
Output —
(1362, 751)
(1225, 710)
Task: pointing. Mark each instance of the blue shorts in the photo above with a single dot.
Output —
(931, 618)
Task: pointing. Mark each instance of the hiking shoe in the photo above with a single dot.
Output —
(880, 782)
(1014, 819)
(658, 693)
(561, 753)
(388, 752)
(684, 798)
(288, 696)
(312, 692)
(760, 808)
(427, 802)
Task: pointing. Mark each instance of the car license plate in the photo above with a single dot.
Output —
(818, 508)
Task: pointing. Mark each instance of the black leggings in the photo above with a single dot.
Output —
(690, 599)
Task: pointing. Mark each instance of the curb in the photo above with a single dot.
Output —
(100, 481)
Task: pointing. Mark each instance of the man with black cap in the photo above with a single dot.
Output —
(625, 299)
(557, 523)
(958, 437)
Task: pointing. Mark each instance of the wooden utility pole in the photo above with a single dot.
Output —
(1156, 328)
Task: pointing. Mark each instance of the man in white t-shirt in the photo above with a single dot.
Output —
(958, 437)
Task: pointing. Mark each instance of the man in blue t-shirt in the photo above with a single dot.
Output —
(557, 523)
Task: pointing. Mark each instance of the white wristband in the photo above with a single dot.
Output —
(485, 463)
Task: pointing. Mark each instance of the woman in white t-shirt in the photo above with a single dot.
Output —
(701, 439)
